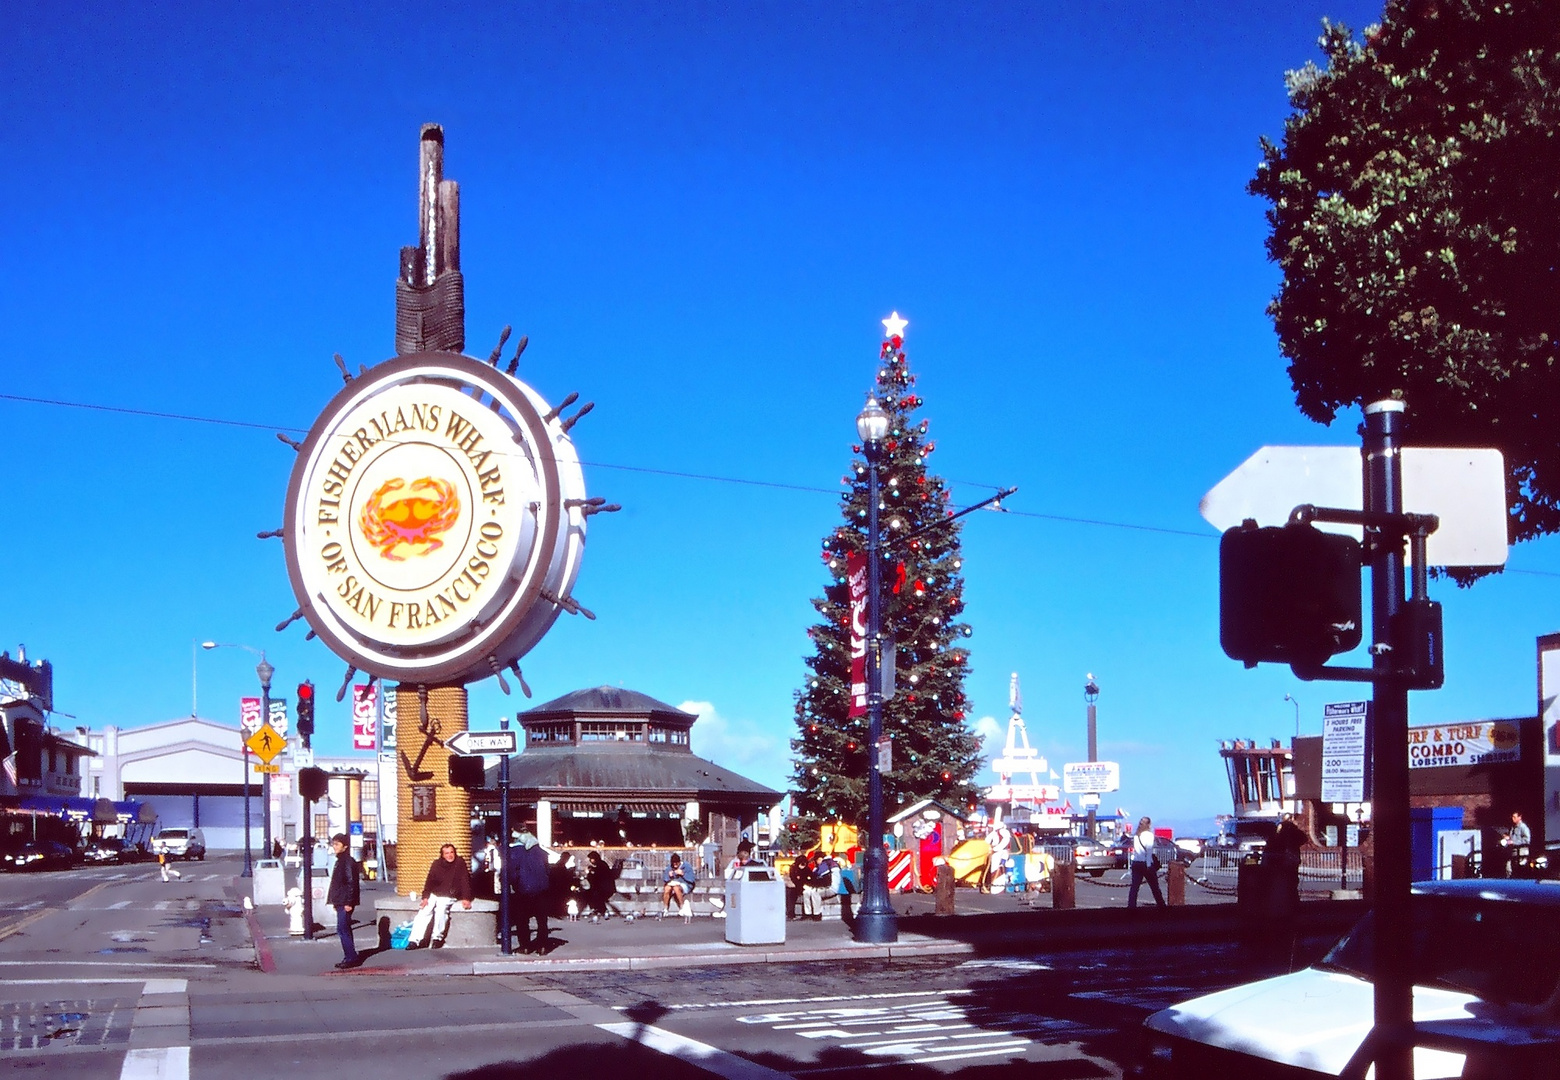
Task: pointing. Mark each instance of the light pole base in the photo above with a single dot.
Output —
(876, 927)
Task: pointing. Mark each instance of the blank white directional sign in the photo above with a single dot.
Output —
(474, 743)
(1466, 489)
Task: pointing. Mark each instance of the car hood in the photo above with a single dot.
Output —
(1312, 1019)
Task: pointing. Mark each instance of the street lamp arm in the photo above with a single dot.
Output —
(924, 529)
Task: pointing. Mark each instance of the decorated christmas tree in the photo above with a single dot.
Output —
(934, 752)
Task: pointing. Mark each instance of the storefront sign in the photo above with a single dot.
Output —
(1479, 743)
(1345, 729)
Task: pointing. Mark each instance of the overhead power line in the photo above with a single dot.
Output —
(702, 477)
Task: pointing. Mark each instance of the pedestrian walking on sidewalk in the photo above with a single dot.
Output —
(166, 865)
(1145, 864)
(344, 895)
(525, 872)
(448, 883)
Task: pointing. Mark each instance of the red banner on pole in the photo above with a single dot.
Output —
(365, 716)
(249, 715)
(856, 577)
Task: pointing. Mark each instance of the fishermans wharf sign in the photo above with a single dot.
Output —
(434, 520)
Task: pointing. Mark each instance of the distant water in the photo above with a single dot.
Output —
(1199, 826)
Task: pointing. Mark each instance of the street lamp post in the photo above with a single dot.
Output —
(1091, 694)
(875, 922)
(1291, 699)
(264, 671)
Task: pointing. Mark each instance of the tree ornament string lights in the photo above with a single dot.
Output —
(935, 754)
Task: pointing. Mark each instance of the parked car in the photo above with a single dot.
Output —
(1089, 856)
(1169, 851)
(41, 855)
(180, 843)
(108, 849)
(1486, 967)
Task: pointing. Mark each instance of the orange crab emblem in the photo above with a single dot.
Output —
(404, 520)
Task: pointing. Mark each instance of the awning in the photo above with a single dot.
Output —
(577, 806)
(55, 806)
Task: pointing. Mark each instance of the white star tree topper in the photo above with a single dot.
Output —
(894, 326)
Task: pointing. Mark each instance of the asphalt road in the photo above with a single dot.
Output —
(109, 972)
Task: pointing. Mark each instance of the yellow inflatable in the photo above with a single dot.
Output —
(969, 859)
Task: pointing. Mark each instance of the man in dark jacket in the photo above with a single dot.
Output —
(344, 896)
(448, 883)
(525, 872)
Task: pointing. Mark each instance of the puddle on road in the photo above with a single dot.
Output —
(122, 949)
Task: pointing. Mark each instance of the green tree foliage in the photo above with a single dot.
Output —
(934, 751)
(1416, 217)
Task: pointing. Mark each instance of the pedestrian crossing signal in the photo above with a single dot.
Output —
(1288, 595)
(467, 772)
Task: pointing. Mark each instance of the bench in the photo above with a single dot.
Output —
(476, 928)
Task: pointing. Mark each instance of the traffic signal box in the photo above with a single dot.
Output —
(305, 712)
(313, 783)
(1288, 595)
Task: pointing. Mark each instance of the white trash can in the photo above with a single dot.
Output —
(755, 907)
(270, 885)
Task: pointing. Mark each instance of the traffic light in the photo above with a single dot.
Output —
(467, 772)
(305, 712)
(313, 783)
(1288, 595)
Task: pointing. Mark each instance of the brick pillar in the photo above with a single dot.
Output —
(418, 842)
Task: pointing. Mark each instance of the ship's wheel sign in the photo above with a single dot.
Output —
(435, 520)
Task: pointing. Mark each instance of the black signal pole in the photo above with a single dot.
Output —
(1394, 1014)
(503, 846)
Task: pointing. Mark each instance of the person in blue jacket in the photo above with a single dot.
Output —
(525, 873)
(678, 882)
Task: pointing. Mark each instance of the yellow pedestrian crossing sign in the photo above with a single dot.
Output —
(266, 743)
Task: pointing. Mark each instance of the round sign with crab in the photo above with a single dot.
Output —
(434, 520)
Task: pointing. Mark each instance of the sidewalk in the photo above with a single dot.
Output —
(986, 923)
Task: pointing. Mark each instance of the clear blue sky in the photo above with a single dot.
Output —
(698, 213)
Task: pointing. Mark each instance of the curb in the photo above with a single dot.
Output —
(263, 955)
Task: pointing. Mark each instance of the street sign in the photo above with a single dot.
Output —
(476, 743)
(262, 768)
(266, 743)
(1466, 489)
(1345, 736)
(1081, 777)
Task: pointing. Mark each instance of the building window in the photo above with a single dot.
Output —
(550, 733)
(611, 732)
(371, 791)
(658, 734)
(322, 827)
(371, 824)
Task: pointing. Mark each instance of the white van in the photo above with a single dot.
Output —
(180, 843)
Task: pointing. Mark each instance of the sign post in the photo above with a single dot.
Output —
(503, 844)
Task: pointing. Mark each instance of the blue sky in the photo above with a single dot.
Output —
(698, 213)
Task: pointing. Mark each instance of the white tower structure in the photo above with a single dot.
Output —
(1019, 759)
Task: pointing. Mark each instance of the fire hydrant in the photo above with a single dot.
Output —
(293, 905)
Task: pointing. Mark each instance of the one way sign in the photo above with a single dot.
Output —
(476, 743)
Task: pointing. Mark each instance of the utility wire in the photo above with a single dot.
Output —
(704, 477)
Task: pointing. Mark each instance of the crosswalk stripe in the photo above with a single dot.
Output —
(160, 1063)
